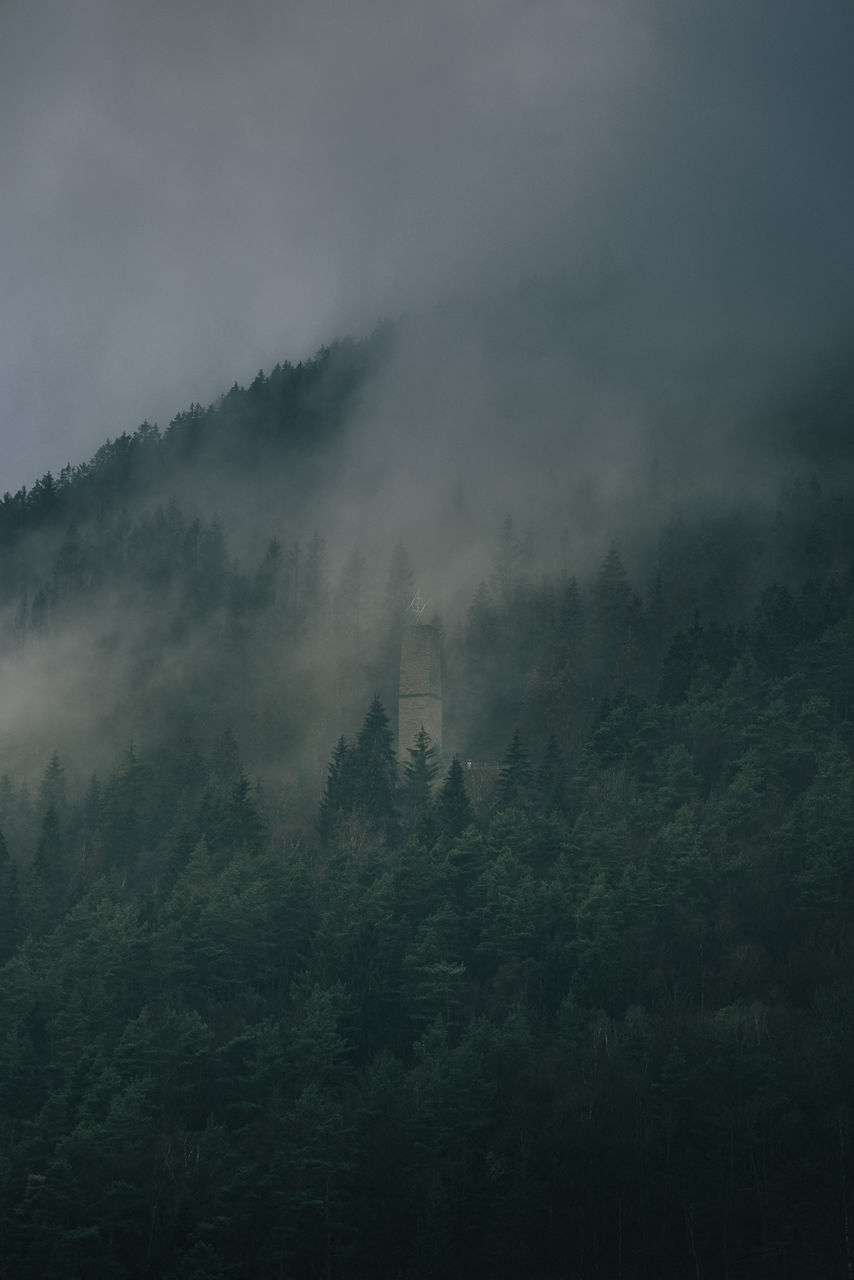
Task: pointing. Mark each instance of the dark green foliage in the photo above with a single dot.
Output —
(361, 786)
(375, 772)
(48, 887)
(551, 782)
(416, 788)
(52, 789)
(339, 796)
(10, 924)
(240, 826)
(225, 1059)
(592, 1018)
(454, 808)
(614, 625)
(515, 777)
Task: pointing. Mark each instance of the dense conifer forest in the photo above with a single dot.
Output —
(573, 999)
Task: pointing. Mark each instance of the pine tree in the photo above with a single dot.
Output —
(612, 614)
(514, 775)
(454, 807)
(46, 887)
(551, 783)
(9, 903)
(509, 557)
(571, 617)
(416, 792)
(265, 583)
(375, 771)
(240, 826)
(339, 794)
(52, 788)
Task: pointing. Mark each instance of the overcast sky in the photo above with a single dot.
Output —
(191, 190)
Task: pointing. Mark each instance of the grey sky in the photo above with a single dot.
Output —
(191, 190)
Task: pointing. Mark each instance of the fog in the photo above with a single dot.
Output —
(193, 191)
(613, 241)
(140, 621)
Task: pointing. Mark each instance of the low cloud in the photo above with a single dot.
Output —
(200, 190)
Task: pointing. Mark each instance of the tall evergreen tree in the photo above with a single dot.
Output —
(375, 771)
(46, 890)
(52, 789)
(241, 825)
(571, 616)
(265, 583)
(339, 795)
(509, 557)
(612, 613)
(454, 808)
(416, 790)
(9, 904)
(514, 775)
(551, 780)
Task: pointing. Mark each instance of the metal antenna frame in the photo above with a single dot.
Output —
(417, 606)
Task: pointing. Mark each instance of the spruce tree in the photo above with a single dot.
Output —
(241, 825)
(375, 771)
(514, 775)
(417, 786)
(454, 807)
(339, 793)
(46, 886)
(9, 903)
(551, 782)
(52, 788)
(614, 607)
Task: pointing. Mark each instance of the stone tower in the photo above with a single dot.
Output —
(420, 699)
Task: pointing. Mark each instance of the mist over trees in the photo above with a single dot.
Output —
(278, 998)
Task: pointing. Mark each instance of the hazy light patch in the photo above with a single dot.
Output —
(197, 190)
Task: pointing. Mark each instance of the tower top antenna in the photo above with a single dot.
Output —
(416, 607)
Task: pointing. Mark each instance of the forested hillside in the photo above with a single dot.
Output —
(273, 1004)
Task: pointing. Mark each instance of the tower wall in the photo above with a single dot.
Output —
(420, 700)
